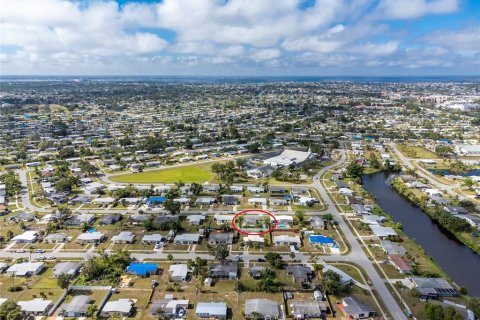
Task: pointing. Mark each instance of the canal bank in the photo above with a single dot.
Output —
(452, 256)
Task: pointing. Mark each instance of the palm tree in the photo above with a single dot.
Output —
(240, 221)
(318, 268)
(268, 224)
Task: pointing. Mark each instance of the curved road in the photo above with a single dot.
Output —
(356, 255)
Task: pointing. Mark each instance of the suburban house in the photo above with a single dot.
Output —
(277, 190)
(255, 189)
(433, 288)
(318, 223)
(286, 240)
(121, 307)
(196, 219)
(455, 210)
(169, 306)
(142, 269)
(284, 221)
(230, 200)
(22, 217)
(220, 238)
(263, 308)
(359, 209)
(382, 232)
(256, 271)
(222, 218)
(253, 239)
(35, 307)
(300, 274)
(354, 309)
(69, 268)
(307, 309)
(276, 201)
(223, 270)
(123, 237)
(205, 201)
(80, 219)
(26, 269)
(187, 238)
(150, 239)
(400, 263)
(390, 247)
(257, 201)
(77, 307)
(110, 219)
(179, 272)
(91, 237)
(55, 238)
(26, 237)
(211, 310)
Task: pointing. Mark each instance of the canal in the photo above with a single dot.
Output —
(453, 257)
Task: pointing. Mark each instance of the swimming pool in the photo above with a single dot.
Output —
(91, 230)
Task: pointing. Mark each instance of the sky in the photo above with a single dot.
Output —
(240, 37)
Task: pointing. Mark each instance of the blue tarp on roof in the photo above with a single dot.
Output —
(287, 197)
(142, 269)
(158, 199)
(319, 239)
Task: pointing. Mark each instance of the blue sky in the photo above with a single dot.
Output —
(240, 37)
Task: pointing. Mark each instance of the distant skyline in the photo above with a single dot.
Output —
(240, 37)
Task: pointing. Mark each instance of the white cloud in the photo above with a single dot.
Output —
(68, 36)
(265, 54)
(376, 49)
(406, 9)
(466, 41)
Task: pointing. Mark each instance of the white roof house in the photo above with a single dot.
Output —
(26, 237)
(372, 219)
(121, 306)
(179, 271)
(211, 310)
(69, 268)
(382, 232)
(253, 238)
(256, 200)
(187, 238)
(91, 237)
(124, 236)
(286, 240)
(25, 269)
(152, 238)
(36, 306)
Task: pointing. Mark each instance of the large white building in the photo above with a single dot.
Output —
(468, 150)
(288, 157)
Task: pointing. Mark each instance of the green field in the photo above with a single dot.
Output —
(191, 173)
(416, 152)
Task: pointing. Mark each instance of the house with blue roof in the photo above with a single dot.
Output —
(142, 269)
(156, 200)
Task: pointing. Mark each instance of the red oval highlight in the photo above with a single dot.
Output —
(273, 227)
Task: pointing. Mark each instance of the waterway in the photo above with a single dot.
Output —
(470, 173)
(456, 259)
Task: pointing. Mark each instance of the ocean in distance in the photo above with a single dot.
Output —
(238, 79)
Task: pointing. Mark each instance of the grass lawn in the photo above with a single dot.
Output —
(191, 173)
(350, 269)
(416, 152)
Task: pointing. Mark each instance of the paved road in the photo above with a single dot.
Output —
(357, 255)
(424, 173)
